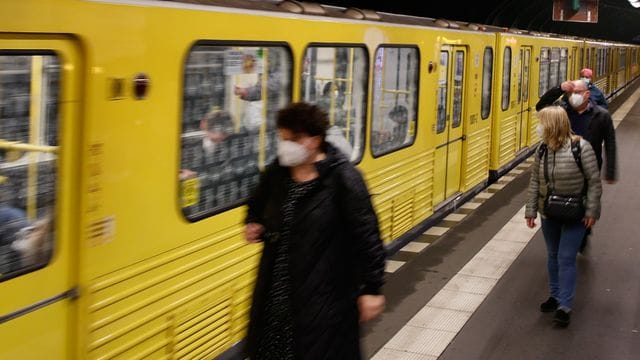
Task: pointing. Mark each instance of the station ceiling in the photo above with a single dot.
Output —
(617, 19)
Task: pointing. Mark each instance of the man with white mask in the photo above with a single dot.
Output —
(588, 120)
(591, 122)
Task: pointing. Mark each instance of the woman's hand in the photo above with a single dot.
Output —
(588, 222)
(370, 306)
(531, 222)
(253, 232)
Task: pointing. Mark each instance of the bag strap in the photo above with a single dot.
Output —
(542, 149)
(545, 153)
(576, 150)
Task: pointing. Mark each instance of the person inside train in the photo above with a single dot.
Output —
(566, 164)
(592, 122)
(399, 116)
(597, 97)
(324, 102)
(322, 264)
(222, 161)
(12, 221)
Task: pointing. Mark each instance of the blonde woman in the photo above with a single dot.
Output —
(562, 153)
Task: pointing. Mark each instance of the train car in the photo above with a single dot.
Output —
(599, 56)
(120, 211)
(614, 65)
(527, 66)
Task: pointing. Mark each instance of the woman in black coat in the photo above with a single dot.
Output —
(322, 264)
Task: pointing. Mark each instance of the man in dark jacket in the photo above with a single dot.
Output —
(588, 120)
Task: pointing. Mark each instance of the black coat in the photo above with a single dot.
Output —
(335, 255)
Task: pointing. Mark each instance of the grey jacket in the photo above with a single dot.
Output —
(566, 177)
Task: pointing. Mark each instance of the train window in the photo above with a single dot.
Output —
(487, 72)
(525, 75)
(230, 98)
(563, 65)
(335, 78)
(395, 98)
(29, 97)
(554, 68)
(443, 86)
(622, 58)
(544, 71)
(506, 78)
(458, 76)
(581, 59)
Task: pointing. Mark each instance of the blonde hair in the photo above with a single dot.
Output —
(556, 128)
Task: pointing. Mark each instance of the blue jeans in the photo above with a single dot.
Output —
(563, 242)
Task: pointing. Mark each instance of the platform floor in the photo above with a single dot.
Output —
(470, 288)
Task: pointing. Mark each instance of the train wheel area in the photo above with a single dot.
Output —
(471, 286)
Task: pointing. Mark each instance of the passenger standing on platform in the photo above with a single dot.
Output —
(322, 263)
(563, 238)
(592, 122)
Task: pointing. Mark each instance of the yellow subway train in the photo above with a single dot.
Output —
(121, 233)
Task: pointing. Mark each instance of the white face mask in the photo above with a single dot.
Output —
(576, 100)
(586, 80)
(290, 153)
(539, 131)
(208, 145)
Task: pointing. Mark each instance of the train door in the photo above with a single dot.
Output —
(573, 71)
(523, 97)
(449, 127)
(39, 91)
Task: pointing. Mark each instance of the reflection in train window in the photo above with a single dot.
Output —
(622, 59)
(506, 78)
(458, 76)
(29, 97)
(487, 71)
(544, 71)
(563, 65)
(335, 78)
(554, 68)
(395, 99)
(443, 94)
(230, 99)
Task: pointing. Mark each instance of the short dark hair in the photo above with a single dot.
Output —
(399, 113)
(219, 120)
(303, 118)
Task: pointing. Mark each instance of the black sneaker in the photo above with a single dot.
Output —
(549, 306)
(562, 318)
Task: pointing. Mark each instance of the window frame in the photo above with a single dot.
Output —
(367, 72)
(416, 98)
(490, 82)
(506, 69)
(53, 233)
(288, 97)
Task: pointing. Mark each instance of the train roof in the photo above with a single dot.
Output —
(357, 14)
(338, 12)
